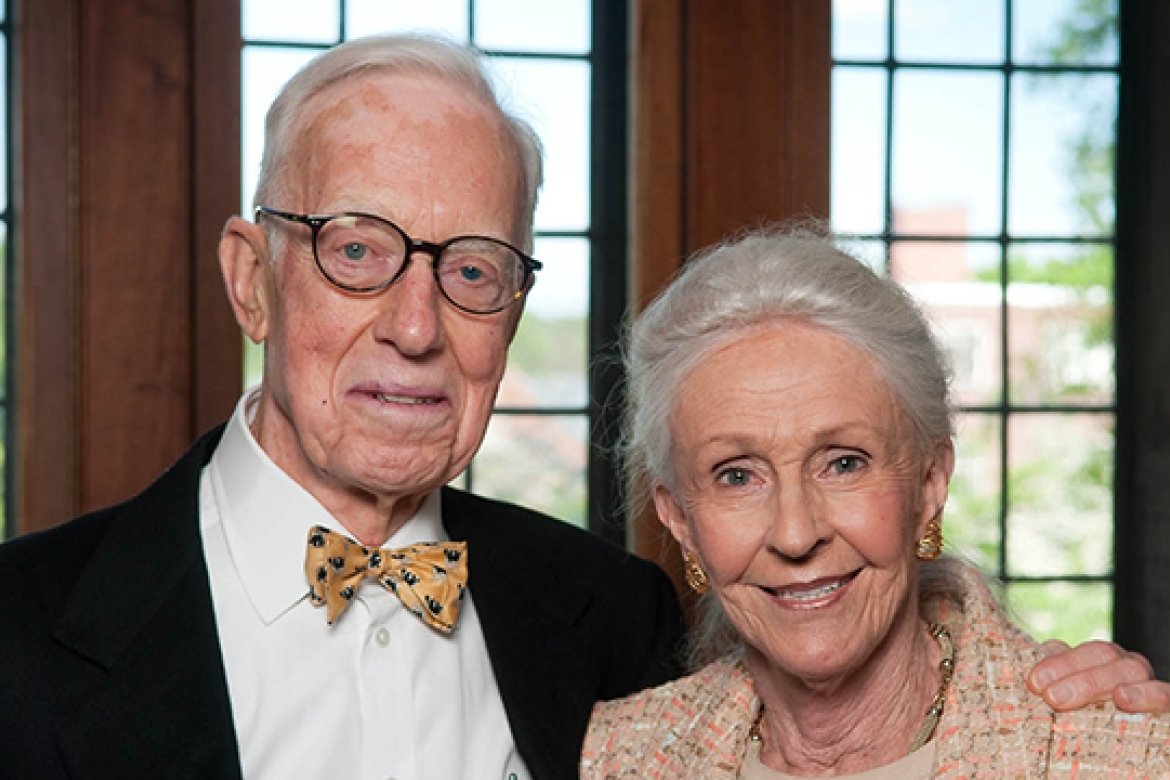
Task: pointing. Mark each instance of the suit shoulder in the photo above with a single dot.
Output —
(38, 572)
(62, 547)
(65, 549)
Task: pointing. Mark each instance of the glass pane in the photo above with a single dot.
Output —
(1069, 32)
(947, 150)
(300, 21)
(949, 31)
(860, 29)
(1060, 310)
(971, 523)
(553, 95)
(253, 362)
(562, 285)
(1073, 611)
(441, 17)
(1060, 481)
(859, 150)
(957, 285)
(5, 302)
(534, 25)
(264, 72)
(537, 461)
(549, 359)
(3, 126)
(1062, 143)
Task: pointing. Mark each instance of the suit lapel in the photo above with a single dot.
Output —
(528, 615)
(151, 692)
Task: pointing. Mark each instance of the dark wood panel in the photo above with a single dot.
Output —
(45, 247)
(657, 136)
(127, 158)
(218, 356)
(758, 105)
(134, 194)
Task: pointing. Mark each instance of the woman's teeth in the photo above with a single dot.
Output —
(809, 594)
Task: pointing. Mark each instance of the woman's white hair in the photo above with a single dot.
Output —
(767, 276)
(457, 64)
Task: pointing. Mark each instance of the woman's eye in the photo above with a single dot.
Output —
(355, 251)
(735, 477)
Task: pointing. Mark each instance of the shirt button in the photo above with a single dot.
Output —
(382, 636)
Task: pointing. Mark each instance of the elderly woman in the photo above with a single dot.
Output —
(790, 414)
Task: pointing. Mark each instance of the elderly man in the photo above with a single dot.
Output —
(241, 617)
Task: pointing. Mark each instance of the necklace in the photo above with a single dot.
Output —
(946, 670)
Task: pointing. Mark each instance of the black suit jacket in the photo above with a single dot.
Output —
(111, 664)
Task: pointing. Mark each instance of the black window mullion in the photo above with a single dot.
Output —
(608, 277)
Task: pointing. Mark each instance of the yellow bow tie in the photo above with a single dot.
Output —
(429, 578)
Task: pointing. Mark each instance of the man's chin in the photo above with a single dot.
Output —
(400, 471)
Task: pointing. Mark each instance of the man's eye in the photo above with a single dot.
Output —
(355, 251)
(845, 464)
(471, 273)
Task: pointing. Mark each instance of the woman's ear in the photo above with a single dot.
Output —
(670, 514)
(936, 481)
(246, 269)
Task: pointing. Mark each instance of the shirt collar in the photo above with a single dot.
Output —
(266, 517)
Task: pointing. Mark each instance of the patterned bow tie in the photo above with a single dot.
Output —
(428, 578)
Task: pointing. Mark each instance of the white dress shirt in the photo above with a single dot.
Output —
(378, 694)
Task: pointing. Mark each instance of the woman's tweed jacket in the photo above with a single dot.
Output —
(992, 727)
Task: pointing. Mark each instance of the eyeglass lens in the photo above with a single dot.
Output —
(363, 253)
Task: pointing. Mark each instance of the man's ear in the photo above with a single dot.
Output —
(671, 515)
(244, 262)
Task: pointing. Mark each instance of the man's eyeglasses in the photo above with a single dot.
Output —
(364, 253)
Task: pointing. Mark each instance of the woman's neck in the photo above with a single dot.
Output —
(864, 720)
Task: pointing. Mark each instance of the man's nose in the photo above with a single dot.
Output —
(410, 317)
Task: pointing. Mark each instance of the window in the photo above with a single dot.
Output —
(972, 158)
(539, 449)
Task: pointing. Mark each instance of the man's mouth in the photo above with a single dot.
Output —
(412, 400)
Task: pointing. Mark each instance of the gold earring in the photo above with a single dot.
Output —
(693, 573)
(930, 545)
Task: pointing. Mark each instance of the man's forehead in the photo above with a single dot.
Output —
(417, 114)
(389, 94)
(408, 146)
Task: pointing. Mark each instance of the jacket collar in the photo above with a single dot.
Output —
(528, 614)
(154, 698)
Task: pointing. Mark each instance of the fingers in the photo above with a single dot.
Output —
(1073, 678)
(1061, 662)
(1053, 647)
(1149, 696)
